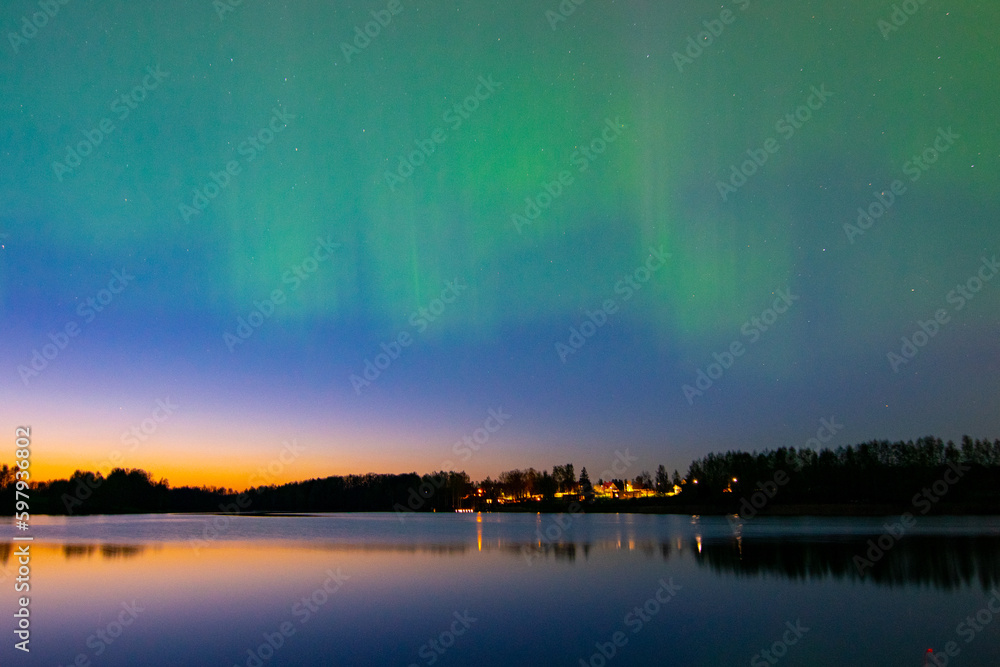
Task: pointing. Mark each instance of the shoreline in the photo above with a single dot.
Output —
(626, 507)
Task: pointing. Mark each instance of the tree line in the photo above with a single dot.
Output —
(135, 491)
(872, 472)
(877, 471)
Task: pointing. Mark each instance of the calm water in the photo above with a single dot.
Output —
(508, 589)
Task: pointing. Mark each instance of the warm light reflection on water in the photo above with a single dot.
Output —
(542, 588)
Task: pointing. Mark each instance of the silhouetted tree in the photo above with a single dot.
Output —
(565, 477)
(662, 479)
(547, 485)
(586, 488)
(868, 472)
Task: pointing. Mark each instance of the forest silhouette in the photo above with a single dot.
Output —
(923, 476)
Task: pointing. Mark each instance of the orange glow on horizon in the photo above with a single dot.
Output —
(209, 463)
(217, 474)
(238, 472)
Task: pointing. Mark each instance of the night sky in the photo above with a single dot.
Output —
(255, 234)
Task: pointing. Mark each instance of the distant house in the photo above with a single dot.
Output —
(607, 490)
(635, 492)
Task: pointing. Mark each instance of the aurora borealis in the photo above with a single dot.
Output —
(363, 226)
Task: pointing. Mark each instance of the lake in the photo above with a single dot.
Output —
(505, 589)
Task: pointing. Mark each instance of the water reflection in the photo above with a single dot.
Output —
(83, 551)
(516, 573)
(943, 562)
(937, 561)
(112, 551)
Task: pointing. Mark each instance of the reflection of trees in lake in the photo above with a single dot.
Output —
(71, 551)
(74, 551)
(565, 551)
(939, 561)
(108, 551)
(433, 549)
(111, 551)
(568, 551)
(944, 562)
